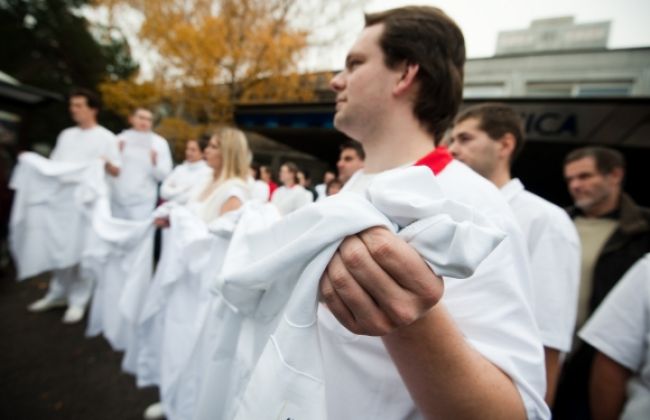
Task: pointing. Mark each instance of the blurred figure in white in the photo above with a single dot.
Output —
(260, 190)
(291, 195)
(328, 177)
(351, 159)
(177, 186)
(267, 176)
(227, 155)
(84, 142)
(304, 179)
(146, 161)
(333, 187)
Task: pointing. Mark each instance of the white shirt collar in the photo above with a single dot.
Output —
(512, 188)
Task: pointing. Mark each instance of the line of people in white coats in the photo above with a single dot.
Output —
(376, 254)
(117, 234)
(408, 295)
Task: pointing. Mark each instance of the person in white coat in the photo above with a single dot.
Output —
(619, 330)
(184, 177)
(146, 161)
(260, 190)
(291, 195)
(488, 137)
(85, 142)
(226, 190)
(441, 353)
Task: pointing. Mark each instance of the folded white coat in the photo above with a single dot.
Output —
(190, 310)
(143, 359)
(177, 303)
(118, 256)
(271, 279)
(50, 213)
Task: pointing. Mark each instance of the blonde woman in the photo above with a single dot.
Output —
(227, 154)
(226, 190)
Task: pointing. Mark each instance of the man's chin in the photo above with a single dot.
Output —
(584, 205)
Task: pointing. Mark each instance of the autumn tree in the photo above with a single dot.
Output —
(210, 55)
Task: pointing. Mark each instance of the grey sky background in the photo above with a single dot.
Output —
(482, 20)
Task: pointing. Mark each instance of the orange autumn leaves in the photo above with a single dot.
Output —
(212, 55)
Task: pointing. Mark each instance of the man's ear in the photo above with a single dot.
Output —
(407, 79)
(617, 175)
(508, 145)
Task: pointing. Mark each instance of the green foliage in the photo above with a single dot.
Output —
(48, 44)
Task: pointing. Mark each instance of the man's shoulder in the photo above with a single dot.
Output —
(159, 139)
(545, 217)
(105, 133)
(69, 131)
(542, 207)
(462, 183)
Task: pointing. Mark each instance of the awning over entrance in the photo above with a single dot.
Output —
(553, 128)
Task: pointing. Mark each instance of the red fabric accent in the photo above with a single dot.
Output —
(272, 187)
(437, 160)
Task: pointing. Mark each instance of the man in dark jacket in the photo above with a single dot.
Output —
(615, 233)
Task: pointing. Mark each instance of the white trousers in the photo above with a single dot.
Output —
(139, 211)
(68, 284)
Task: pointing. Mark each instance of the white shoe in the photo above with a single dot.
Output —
(73, 314)
(154, 411)
(46, 304)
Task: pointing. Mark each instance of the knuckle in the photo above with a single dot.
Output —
(338, 278)
(431, 294)
(353, 255)
(328, 295)
(382, 247)
(404, 315)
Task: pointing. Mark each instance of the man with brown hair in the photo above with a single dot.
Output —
(488, 137)
(393, 345)
(350, 160)
(86, 141)
(614, 232)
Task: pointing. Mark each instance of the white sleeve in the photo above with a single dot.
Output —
(237, 191)
(173, 184)
(164, 159)
(555, 266)
(113, 150)
(620, 324)
(56, 152)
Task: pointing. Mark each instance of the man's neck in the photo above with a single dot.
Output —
(396, 145)
(501, 177)
(86, 125)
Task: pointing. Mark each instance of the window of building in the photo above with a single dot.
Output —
(484, 90)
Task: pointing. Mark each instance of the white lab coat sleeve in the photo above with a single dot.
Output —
(164, 162)
(621, 323)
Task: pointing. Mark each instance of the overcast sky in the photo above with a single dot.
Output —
(481, 20)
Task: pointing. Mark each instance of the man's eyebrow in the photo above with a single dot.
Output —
(352, 56)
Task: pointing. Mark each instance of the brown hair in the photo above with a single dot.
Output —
(606, 159)
(496, 119)
(293, 168)
(426, 36)
(92, 99)
(356, 146)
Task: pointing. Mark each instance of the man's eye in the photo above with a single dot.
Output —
(353, 64)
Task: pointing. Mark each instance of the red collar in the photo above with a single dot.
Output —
(436, 160)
